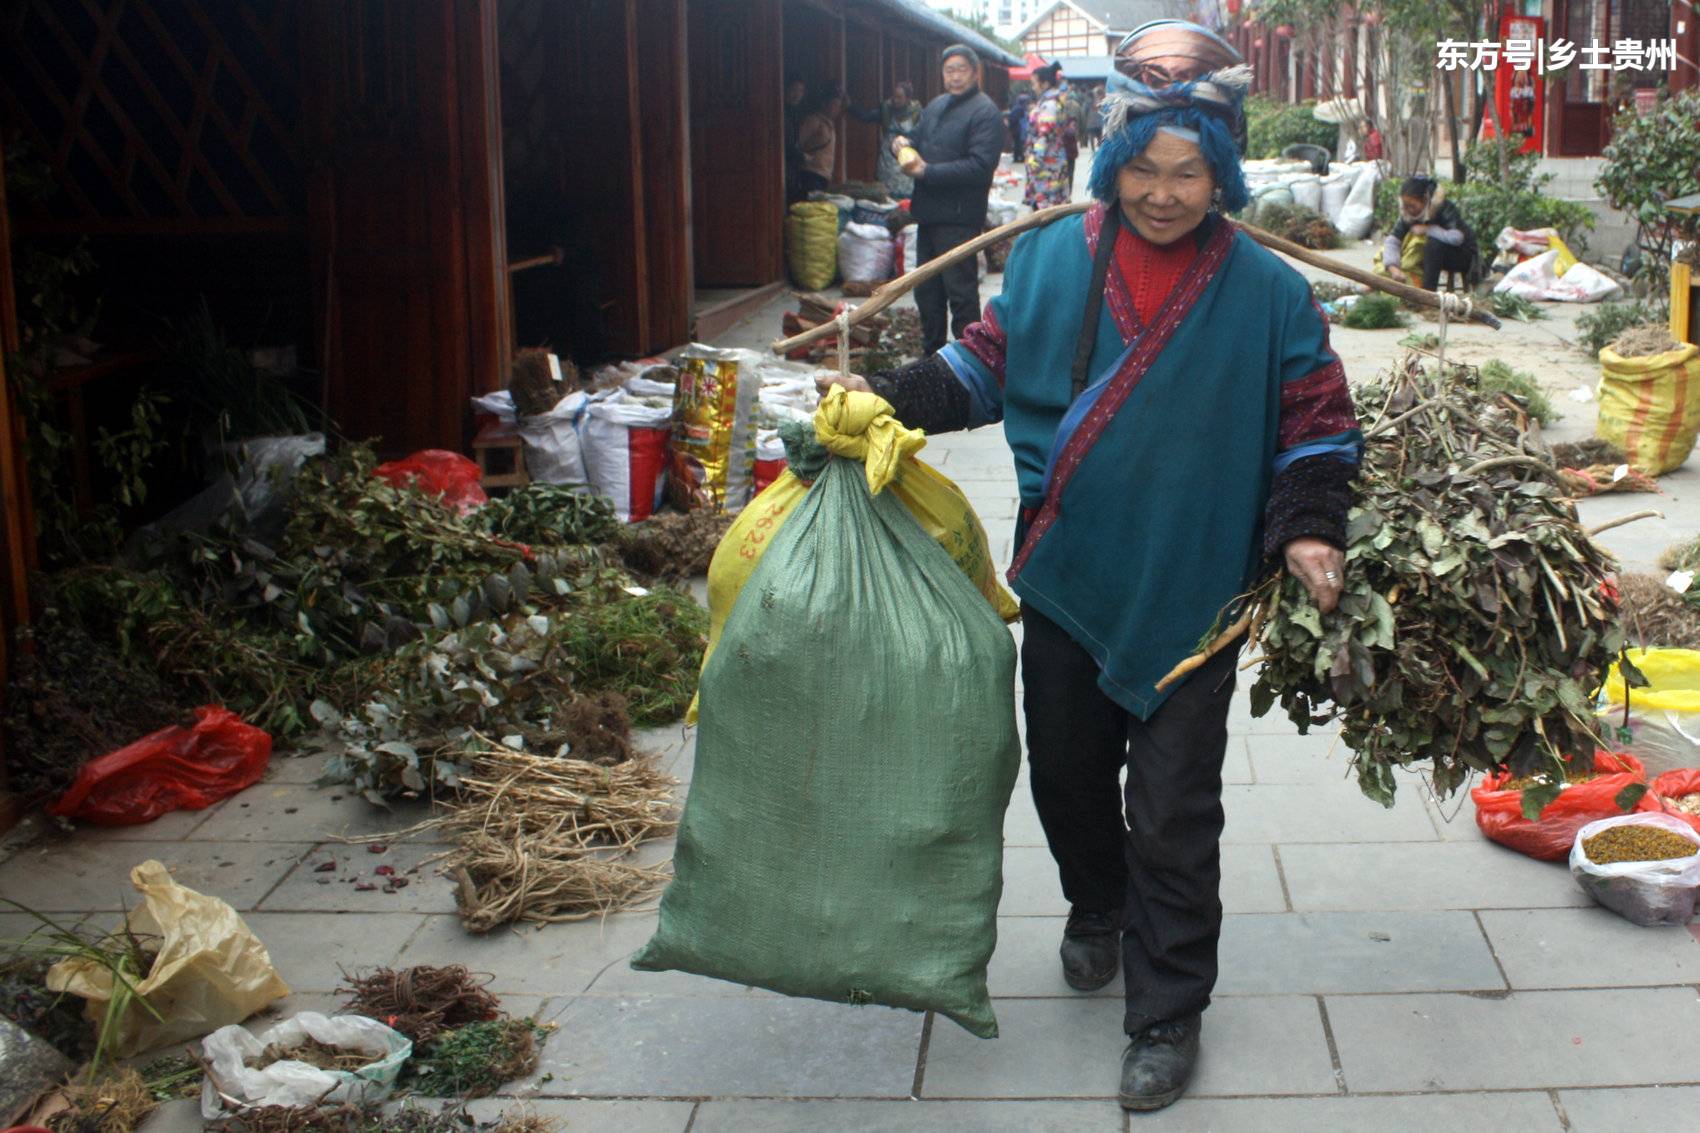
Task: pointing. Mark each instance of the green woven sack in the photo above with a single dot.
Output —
(843, 835)
(811, 243)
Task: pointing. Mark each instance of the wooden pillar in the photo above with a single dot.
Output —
(17, 515)
(664, 111)
(1685, 29)
(478, 63)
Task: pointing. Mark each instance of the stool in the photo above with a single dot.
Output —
(507, 469)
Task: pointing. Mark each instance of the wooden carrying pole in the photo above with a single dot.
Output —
(888, 293)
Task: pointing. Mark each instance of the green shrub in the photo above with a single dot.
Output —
(1487, 208)
(1498, 377)
(1658, 154)
(1597, 328)
(1273, 125)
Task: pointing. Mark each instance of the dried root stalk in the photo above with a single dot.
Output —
(422, 1001)
(544, 840)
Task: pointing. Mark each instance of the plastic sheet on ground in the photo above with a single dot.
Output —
(229, 1051)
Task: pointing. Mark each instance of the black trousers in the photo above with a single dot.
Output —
(1162, 865)
(958, 285)
(1439, 257)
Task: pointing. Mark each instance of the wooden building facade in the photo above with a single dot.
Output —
(405, 191)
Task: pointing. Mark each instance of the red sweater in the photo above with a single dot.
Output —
(1151, 270)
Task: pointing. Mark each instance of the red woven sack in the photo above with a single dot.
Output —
(172, 769)
(1499, 813)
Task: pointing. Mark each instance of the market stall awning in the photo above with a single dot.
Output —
(1085, 68)
(1025, 71)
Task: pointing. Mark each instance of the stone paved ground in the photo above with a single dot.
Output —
(1380, 970)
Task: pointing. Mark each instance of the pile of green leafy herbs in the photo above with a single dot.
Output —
(1473, 622)
(1373, 312)
(1498, 377)
(1303, 226)
(398, 624)
(475, 1059)
(1509, 306)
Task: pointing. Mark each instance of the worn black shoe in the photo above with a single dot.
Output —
(1091, 949)
(1158, 1063)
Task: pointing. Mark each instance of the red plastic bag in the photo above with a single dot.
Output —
(766, 472)
(1674, 785)
(438, 472)
(173, 769)
(1499, 813)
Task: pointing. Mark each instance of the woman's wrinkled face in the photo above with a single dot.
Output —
(1165, 191)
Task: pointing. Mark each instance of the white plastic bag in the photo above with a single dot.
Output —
(550, 441)
(229, 1050)
(865, 252)
(1335, 188)
(911, 238)
(1646, 893)
(1537, 278)
(1358, 213)
(1307, 192)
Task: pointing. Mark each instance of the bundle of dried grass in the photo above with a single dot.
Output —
(1599, 479)
(1655, 616)
(542, 839)
(673, 545)
(117, 1103)
(422, 1001)
(1640, 341)
(1587, 453)
(532, 382)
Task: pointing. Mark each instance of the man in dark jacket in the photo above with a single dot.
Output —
(958, 141)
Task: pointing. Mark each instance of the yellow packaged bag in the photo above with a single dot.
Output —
(711, 455)
(859, 426)
(1650, 406)
(1566, 258)
(1661, 726)
(210, 970)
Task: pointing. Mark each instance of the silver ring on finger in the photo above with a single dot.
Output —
(1331, 576)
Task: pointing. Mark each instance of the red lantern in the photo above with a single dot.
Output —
(1257, 44)
(1285, 31)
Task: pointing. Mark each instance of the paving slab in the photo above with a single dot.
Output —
(1528, 1039)
(1026, 965)
(1292, 758)
(1296, 953)
(81, 876)
(1319, 812)
(1250, 882)
(1594, 947)
(1021, 826)
(727, 1047)
(593, 1116)
(352, 883)
(1531, 1112)
(1649, 1107)
(1424, 875)
(557, 959)
(909, 1116)
(302, 768)
(172, 827)
(1070, 1048)
(287, 812)
(310, 950)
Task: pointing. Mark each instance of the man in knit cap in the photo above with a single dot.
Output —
(1179, 424)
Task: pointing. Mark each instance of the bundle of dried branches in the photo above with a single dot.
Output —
(542, 839)
(422, 1001)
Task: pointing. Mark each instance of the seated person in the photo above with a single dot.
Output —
(1447, 242)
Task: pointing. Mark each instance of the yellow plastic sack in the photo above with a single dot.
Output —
(210, 971)
(1566, 258)
(1650, 406)
(859, 426)
(1410, 256)
(1662, 725)
(811, 243)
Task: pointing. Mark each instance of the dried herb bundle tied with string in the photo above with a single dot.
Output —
(1476, 614)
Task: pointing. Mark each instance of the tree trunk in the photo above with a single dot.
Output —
(1449, 99)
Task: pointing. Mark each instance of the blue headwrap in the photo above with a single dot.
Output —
(1174, 75)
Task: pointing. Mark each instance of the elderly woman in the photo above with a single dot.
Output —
(1049, 180)
(817, 138)
(1178, 421)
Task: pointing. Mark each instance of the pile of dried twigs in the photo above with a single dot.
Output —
(421, 1001)
(543, 839)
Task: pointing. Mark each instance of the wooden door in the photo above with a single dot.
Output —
(737, 142)
(405, 253)
(863, 67)
(1582, 115)
(664, 104)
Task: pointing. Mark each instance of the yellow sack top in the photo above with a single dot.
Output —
(862, 426)
(1637, 367)
(1673, 673)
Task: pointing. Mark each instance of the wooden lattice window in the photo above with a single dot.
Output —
(158, 115)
